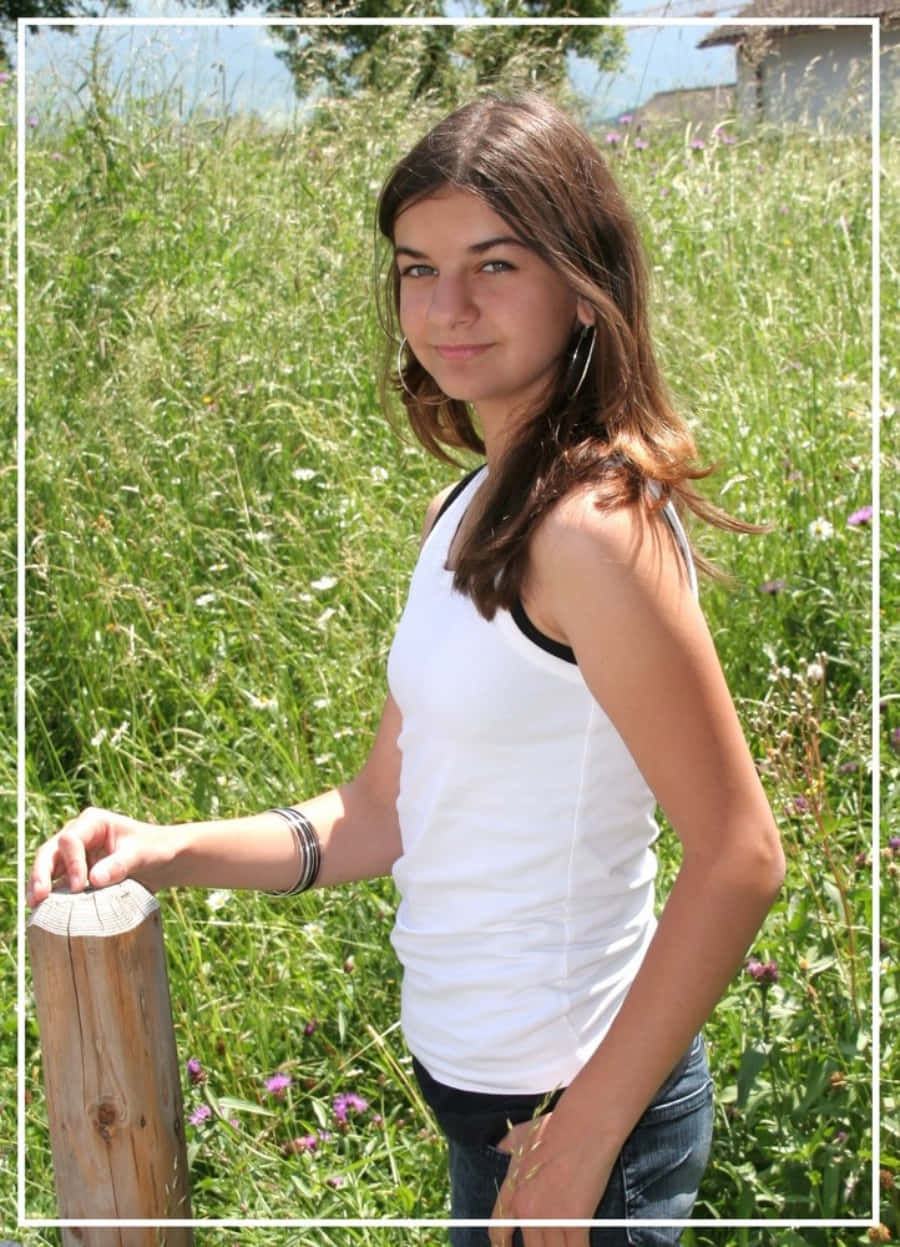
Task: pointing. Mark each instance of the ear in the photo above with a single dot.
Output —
(585, 313)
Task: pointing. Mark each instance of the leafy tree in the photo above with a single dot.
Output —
(446, 61)
(12, 10)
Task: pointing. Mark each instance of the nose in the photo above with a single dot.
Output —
(451, 301)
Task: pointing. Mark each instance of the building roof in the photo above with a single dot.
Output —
(887, 10)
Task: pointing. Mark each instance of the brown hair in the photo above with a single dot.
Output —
(538, 171)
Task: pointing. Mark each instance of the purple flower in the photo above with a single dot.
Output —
(665, 190)
(626, 119)
(32, 121)
(343, 1103)
(801, 805)
(862, 516)
(306, 1143)
(894, 844)
(195, 1070)
(311, 1027)
(335, 1181)
(4, 76)
(200, 1114)
(278, 1084)
(697, 144)
(771, 587)
(613, 137)
(640, 144)
(723, 136)
(895, 740)
(848, 768)
(762, 972)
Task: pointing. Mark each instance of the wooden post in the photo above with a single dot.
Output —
(111, 1070)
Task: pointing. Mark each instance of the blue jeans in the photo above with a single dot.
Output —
(656, 1175)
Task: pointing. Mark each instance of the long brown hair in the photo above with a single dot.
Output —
(542, 174)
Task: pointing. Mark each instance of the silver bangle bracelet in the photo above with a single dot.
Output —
(308, 848)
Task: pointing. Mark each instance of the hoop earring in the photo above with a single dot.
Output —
(573, 362)
(400, 375)
(422, 402)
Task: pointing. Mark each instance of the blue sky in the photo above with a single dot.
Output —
(239, 63)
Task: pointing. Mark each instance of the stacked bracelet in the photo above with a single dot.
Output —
(308, 847)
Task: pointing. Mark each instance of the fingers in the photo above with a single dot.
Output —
(83, 851)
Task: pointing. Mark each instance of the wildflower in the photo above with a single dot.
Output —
(862, 516)
(801, 805)
(879, 1233)
(311, 1027)
(323, 583)
(762, 972)
(335, 1181)
(821, 529)
(815, 673)
(697, 144)
(306, 1143)
(379, 474)
(195, 1070)
(303, 474)
(4, 76)
(342, 1104)
(200, 1114)
(278, 1084)
(613, 137)
(205, 599)
(894, 844)
(723, 136)
(771, 587)
(32, 121)
(848, 768)
(218, 899)
(626, 119)
(640, 144)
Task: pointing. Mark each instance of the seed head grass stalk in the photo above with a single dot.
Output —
(220, 527)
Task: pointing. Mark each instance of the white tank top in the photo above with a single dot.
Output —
(526, 876)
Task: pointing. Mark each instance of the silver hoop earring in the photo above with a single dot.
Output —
(573, 362)
(400, 375)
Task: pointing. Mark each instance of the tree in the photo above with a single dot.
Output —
(442, 61)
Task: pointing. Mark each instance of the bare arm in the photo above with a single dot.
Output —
(356, 824)
(620, 598)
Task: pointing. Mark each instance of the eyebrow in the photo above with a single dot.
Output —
(476, 248)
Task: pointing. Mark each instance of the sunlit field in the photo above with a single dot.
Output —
(220, 526)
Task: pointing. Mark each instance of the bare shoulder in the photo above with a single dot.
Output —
(611, 545)
(434, 509)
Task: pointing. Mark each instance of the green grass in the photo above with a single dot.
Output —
(220, 527)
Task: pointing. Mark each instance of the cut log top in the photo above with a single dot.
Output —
(95, 912)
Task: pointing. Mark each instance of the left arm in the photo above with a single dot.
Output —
(620, 598)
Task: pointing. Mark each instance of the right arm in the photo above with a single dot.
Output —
(356, 824)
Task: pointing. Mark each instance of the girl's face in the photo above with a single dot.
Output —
(483, 313)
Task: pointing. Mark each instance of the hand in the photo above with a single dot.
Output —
(548, 1177)
(100, 848)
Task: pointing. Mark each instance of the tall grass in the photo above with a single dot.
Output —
(220, 527)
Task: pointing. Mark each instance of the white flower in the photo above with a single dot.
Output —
(261, 703)
(821, 529)
(379, 474)
(99, 737)
(323, 583)
(204, 599)
(303, 474)
(322, 621)
(815, 673)
(321, 703)
(216, 900)
(119, 733)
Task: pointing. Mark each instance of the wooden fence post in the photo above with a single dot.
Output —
(111, 1070)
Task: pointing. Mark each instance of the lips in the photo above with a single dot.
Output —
(461, 352)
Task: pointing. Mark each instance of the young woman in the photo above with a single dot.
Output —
(551, 680)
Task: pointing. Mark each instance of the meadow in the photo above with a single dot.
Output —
(220, 525)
